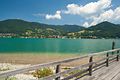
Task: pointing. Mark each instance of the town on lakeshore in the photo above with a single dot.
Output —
(16, 28)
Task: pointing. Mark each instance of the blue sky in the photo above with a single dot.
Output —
(80, 12)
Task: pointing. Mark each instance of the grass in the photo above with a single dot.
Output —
(4, 69)
(42, 72)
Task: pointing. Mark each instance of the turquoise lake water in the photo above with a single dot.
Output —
(61, 46)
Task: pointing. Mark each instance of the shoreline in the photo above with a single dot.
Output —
(29, 58)
(13, 62)
(34, 59)
(54, 38)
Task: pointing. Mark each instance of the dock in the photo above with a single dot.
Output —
(105, 73)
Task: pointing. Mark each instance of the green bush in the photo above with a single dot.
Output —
(12, 78)
(42, 72)
(4, 69)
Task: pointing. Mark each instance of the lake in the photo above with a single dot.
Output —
(52, 46)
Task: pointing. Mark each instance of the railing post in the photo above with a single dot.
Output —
(90, 67)
(57, 71)
(107, 60)
(113, 46)
(117, 56)
(6, 78)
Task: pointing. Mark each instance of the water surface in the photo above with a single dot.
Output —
(52, 46)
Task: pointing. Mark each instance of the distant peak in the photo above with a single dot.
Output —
(13, 20)
(106, 22)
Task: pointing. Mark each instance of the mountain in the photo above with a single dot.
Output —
(106, 30)
(72, 28)
(17, 27)
(101, 30)
(20, 26)
(105, 26)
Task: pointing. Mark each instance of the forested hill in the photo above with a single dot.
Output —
(21, 26)
(101, 30)
(106, 29)
(33, 29)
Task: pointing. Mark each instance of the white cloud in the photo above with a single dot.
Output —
(86, 24)
(56, 16)
(93, 12)
(109, 15)
(88, 9)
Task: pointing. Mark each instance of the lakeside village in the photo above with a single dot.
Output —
(12, 35)
(50, 33)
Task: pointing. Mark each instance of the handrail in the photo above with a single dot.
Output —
(38, 66)
(73, 69)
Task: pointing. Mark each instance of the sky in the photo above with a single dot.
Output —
(59, 12)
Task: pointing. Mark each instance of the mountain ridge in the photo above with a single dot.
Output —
(25, 28)
(18, 22)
